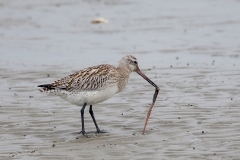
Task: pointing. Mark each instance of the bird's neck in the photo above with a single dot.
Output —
(124, 72)
(124, 69)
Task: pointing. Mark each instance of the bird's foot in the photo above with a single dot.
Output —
(84, 133)
(99, 131)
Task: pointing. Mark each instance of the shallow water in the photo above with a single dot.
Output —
(190, 49)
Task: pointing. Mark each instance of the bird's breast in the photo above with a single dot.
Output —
(89, 97)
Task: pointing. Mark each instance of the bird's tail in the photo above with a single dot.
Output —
(46, 87)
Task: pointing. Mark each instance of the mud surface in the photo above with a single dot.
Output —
(190, 49)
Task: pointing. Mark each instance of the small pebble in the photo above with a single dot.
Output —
(53, 145)
(188, 64)
(171, 66)
(178, 117)
(231, 99)
(48, 75)
(202, 131)
(77, 138)
(30, 96)
(122, 113)
(9, 87)
(193, 147)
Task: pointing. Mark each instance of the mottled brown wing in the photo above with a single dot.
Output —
(92, 78)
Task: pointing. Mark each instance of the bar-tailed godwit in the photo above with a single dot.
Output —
(96, 84)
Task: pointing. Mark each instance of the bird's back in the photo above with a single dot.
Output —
(90, 85)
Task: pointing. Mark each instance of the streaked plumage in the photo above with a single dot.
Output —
(91, 85)
(94, 84)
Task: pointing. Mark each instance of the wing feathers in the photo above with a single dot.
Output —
(92, 78)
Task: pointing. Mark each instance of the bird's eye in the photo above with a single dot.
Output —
(135, 62)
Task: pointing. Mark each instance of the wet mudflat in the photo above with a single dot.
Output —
(190, 50)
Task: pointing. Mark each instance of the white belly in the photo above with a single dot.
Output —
(89, 97)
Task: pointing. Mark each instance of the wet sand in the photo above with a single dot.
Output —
(191, 50)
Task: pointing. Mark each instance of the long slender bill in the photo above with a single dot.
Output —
(154, 97)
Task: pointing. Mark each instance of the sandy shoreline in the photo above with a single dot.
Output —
(186, 107)
(192, 55)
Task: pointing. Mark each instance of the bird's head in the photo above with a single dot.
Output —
(131, 62)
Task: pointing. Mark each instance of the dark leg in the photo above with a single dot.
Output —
(82, 118)
(92, 115)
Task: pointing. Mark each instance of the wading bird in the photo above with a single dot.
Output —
(97, 84)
